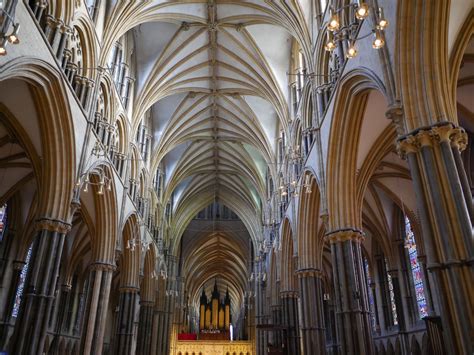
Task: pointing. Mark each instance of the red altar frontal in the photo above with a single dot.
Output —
(215, 335)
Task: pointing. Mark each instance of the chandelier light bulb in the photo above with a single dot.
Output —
(333, 24)
(351, 51)
(382, 21)
(362, 11)
(378, 41)
(101, 190)
(13, 37)
(3, 46)
(86, 187)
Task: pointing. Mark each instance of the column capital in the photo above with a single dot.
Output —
(346, 234)
(412, 142)
(129, 289)
(289, 294)
(309, 272)
(102, 266)
(52, 225)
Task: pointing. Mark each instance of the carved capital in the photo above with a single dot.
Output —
(458, 138)
(289, 294)
(52, 225)
(129, 289)
(345, 235)
(310, 272)
(428, 136)
(406, 146)
(102, 266)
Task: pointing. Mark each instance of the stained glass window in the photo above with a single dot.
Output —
(21, 285)
(3, 221)
(370, 294)
(392, 295)
(415, 270)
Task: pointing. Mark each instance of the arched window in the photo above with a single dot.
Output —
(21, 284)
(416, 271)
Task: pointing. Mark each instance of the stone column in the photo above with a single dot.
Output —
(445, 212)
(289, 300)
(128, 303)
(145, 327)
(96, 305)
(61, 314)
(276, 321)
(312, 326)
(354, 333)
(39, 292)
(259, 308)
(7, 316)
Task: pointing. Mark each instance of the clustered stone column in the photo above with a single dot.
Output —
(445, 204)
(145, 327)
(259, 308)
(354, 334)
(61, 313)
(289, 300)
(276, 321)
(40, 286)
(97, 302)
(128, 303)
(311, 317)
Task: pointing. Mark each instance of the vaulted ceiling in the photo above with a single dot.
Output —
(214, 75)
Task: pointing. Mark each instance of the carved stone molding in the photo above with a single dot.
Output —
(310, 272)
(53, 225)
(430, 136)
(344, 235)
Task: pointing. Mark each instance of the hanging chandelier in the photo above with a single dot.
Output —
(7, 19)
(359, 11)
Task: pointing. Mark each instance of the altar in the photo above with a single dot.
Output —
(217, 347)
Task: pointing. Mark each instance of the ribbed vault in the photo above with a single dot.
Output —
(212, 78)
(216, 250)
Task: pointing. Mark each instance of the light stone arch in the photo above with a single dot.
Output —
(57, 134)
(341, 162)
(288, 256)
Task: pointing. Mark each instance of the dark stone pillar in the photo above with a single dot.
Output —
(276, 321)
(128, 303)
(354, 333)
(40, 286)
(312, 312)
(61, 314)
(145, 327)
(259, 309)
(6, 325)
(289, 300)
(446, 211)
(96, 305)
